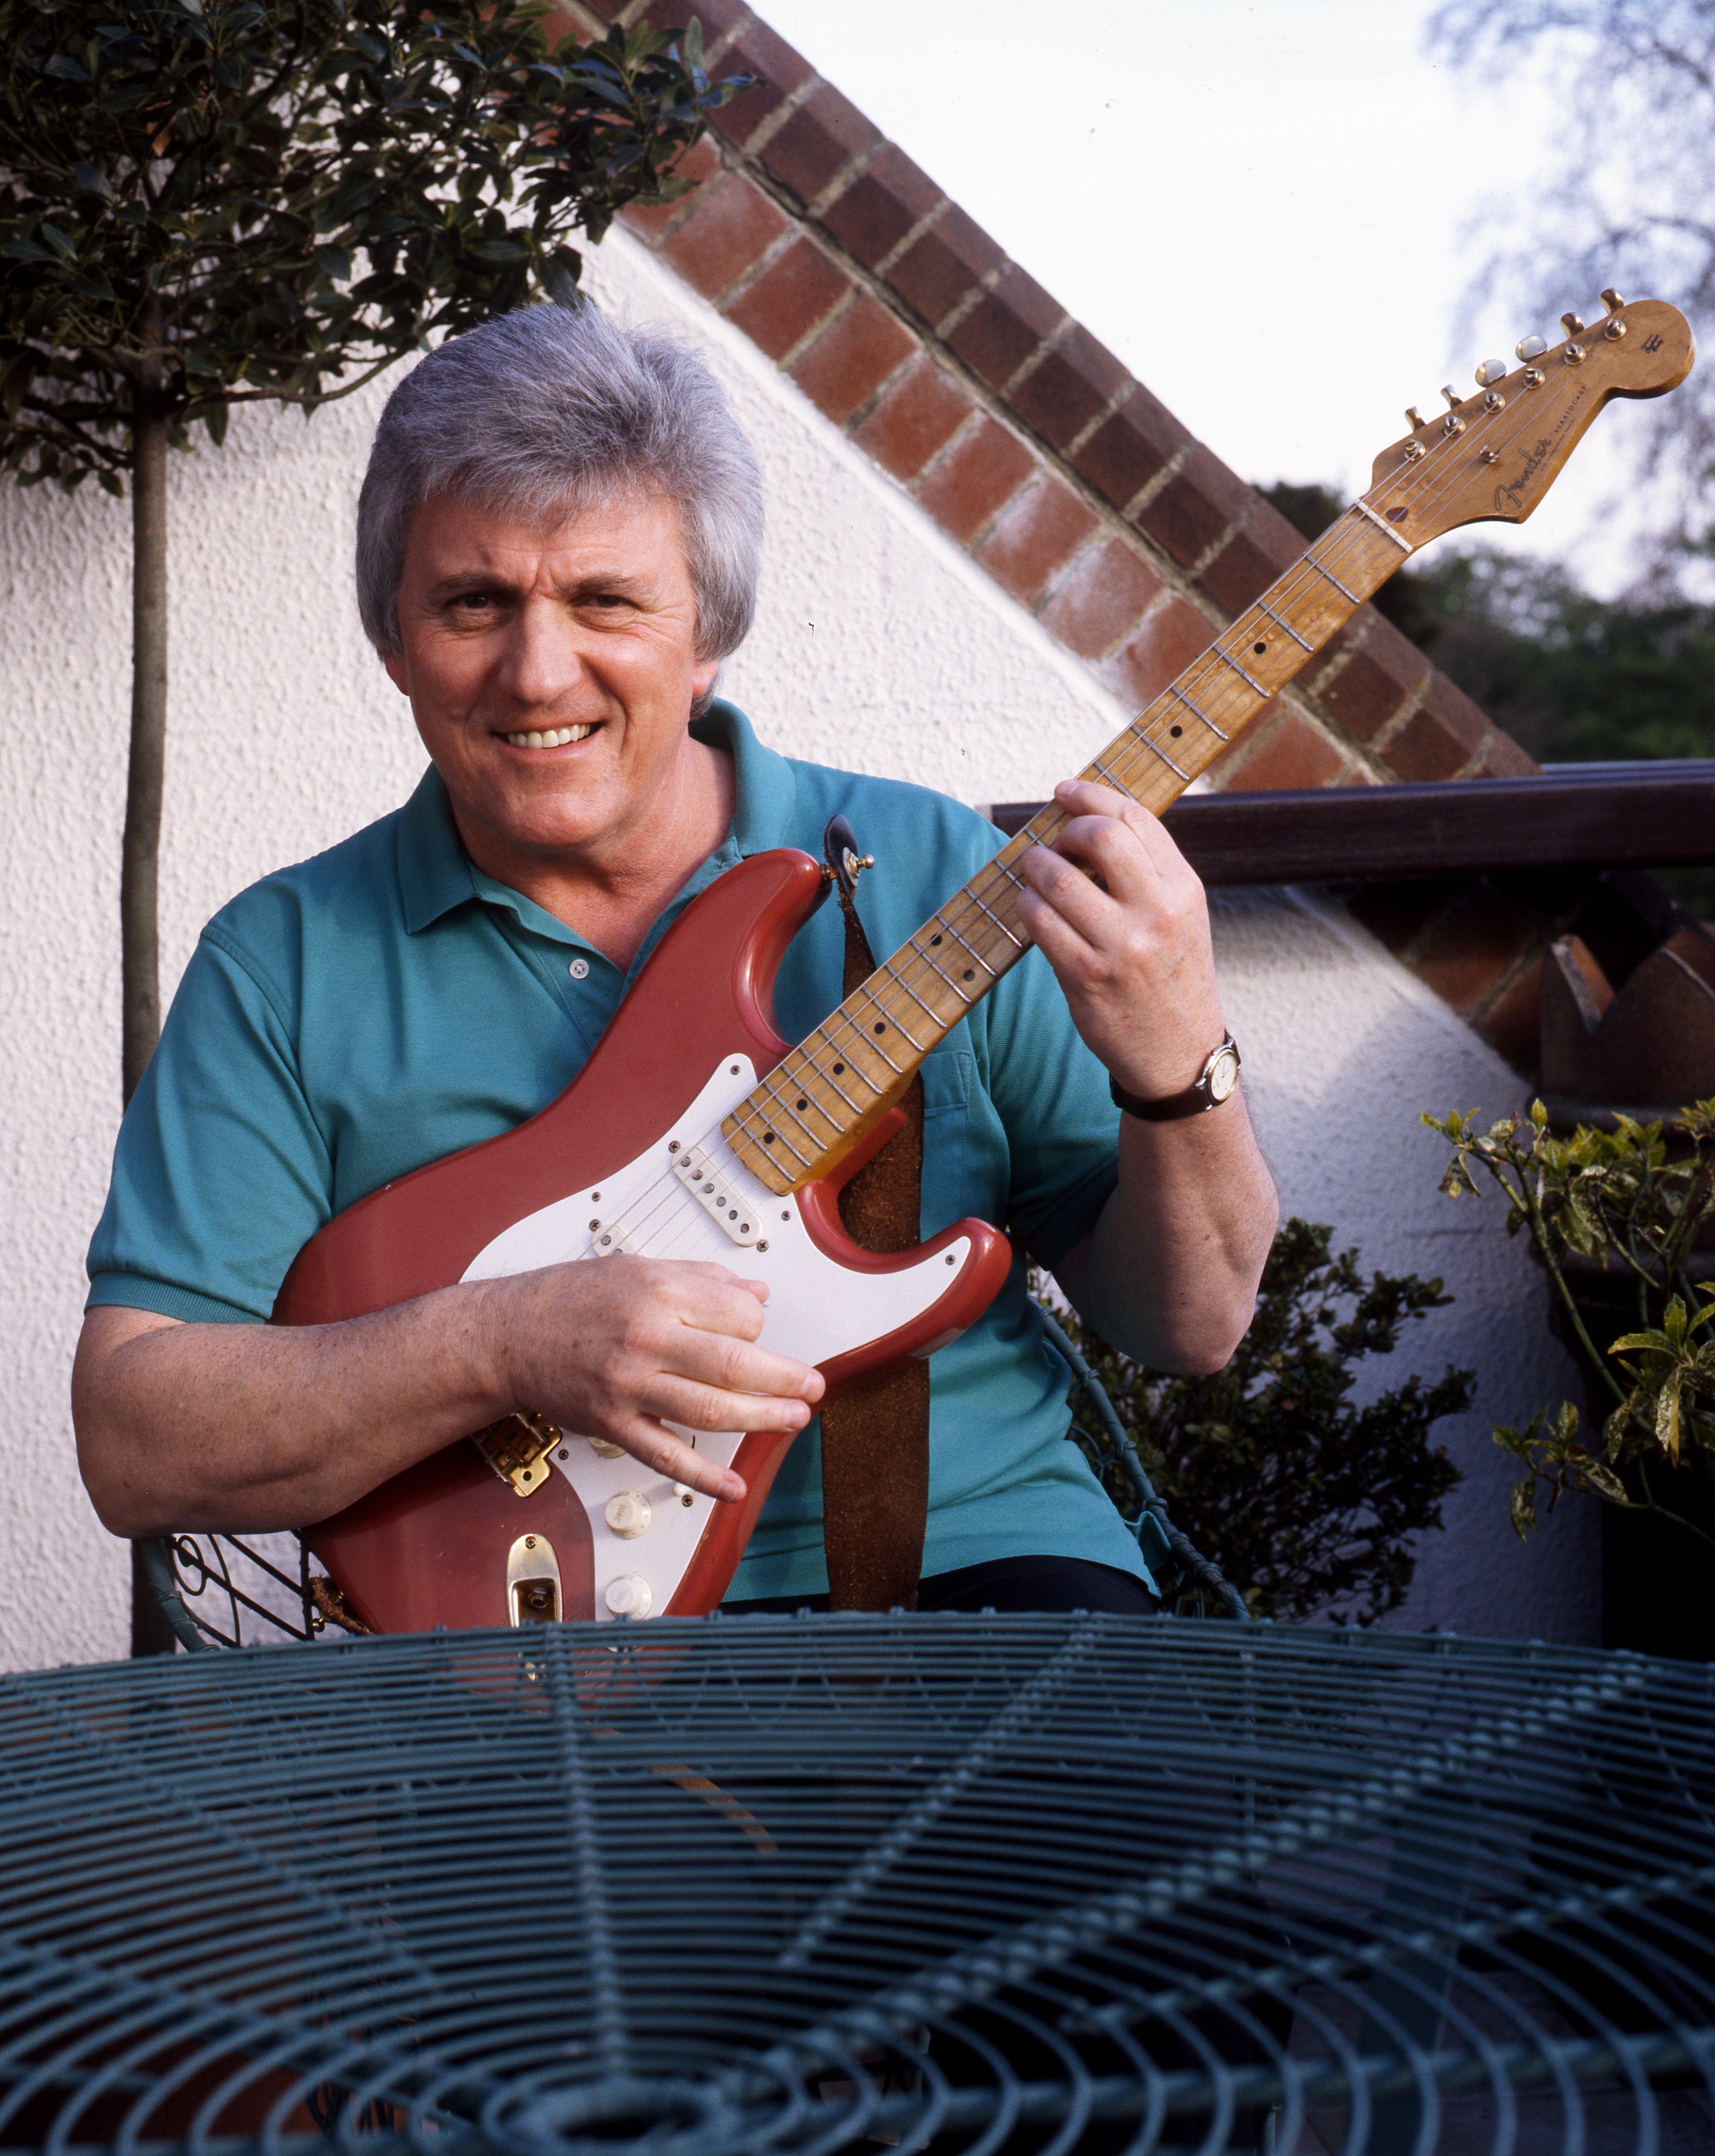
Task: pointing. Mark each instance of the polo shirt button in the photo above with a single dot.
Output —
(579, 969)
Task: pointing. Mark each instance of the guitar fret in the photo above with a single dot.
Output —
(827, 1078)
(1333, 580)
(898, 1024)
(1248, 678)
(971, 948)
(1202, 717)
(804, 1160)
(1280, 621)
(1118, 785)
(904, 983)
(868, 1042)
(963, 994)
(807, 1094)
(1165, 758)
(997, 921)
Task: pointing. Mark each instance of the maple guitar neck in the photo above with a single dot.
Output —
(1487, 459)
(819, 1099)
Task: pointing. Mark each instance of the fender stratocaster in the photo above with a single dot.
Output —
(695, 1131)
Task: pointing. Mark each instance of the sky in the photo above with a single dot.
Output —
(1271, 211)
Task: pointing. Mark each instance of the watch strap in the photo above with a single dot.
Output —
(1196, 1100)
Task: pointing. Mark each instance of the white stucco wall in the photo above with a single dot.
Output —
(877, 645)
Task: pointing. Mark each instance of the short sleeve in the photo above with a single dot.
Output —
(1052, 1097)
(220, 1174)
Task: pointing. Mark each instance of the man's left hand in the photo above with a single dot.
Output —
(1130, 949)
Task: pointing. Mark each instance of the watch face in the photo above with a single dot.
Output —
(1223, 1074)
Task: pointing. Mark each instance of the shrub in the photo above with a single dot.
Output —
(1306, 1501)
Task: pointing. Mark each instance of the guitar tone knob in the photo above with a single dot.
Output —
(628, 1514)
(630, 1595)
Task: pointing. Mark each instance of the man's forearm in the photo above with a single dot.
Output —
(253, 1427)
(1169, 1273)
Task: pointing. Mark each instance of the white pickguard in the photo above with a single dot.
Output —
(816, 1309)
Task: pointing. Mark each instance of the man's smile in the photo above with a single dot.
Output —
(551, 737)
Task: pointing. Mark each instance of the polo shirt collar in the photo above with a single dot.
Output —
(436, 874)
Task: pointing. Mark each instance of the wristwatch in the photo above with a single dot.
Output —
(1215, 1083)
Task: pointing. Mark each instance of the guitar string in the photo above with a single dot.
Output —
(636, 1228)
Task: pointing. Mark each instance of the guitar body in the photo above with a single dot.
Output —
(604, 1169)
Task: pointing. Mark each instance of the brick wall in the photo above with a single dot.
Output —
(1033, 448)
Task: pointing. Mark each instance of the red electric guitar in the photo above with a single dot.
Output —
(695, 1132)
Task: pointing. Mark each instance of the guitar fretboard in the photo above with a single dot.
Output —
(818, 1100)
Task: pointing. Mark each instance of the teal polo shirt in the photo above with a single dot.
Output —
(347, 1020)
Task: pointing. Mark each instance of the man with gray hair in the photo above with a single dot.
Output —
(558, 543)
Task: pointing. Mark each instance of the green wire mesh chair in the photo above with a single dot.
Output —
(223, 1590)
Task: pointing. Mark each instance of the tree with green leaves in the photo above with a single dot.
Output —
(206, 204)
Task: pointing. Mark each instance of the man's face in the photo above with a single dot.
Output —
(550, 671)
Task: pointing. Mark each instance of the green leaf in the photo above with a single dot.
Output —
(1522, 1506)
(1667, 1418)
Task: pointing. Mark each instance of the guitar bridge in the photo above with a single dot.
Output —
(517, 1448)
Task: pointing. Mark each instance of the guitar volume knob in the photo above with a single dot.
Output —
(627, 1513)
(630, 1595)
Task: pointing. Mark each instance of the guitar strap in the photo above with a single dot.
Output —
(875, 1439)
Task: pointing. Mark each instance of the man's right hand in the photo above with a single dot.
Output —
(249, 1427)
(618, 1347)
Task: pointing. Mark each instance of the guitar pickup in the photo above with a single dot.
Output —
(738, 1216)
(517, 1448)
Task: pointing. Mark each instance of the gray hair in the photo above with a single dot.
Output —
(544, 413)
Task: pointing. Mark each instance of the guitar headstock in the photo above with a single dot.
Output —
(1493, 456)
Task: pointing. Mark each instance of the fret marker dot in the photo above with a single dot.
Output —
(1176, 731)
(839, 1070)
(969, 974)
(880, 1026)
(933, 940)
(1259, 649)
(803, 1103)
(768, 1137)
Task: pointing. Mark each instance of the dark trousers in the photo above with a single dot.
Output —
(1002, 1584)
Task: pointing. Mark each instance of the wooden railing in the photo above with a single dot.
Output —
(1589, 815)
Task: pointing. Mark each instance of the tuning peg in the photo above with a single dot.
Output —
(1612, 301)
(1572, 325)
(1414, 418)
(1531, 347)
(1490, 373)
(1454, 400)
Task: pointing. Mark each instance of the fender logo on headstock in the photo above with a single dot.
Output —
(1537, 456)
(1652, 343)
